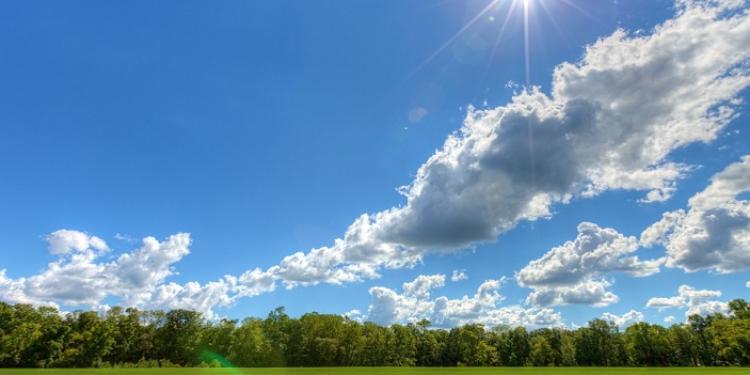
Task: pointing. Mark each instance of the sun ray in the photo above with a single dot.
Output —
(526, 52)
(572, 4)
(511, 9)
(455, 36)
(549, 16)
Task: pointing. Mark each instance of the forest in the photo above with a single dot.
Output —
(43, 337)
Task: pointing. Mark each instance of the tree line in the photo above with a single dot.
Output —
(43, 337)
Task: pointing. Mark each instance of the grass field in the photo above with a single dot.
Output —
(387, 371)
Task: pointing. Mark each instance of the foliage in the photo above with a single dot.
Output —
(43, 337)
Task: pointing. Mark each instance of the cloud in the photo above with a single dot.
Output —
(670, 319)
(193, 296)
(355, 315)
(625, 320)
(589, 292)
(65, 241)
(714, 233)
(458, 275)
(415, 303)
(573, 273)
(696, 301)
(79, 278)
(662, 303)
(421, 286)
(136, 273)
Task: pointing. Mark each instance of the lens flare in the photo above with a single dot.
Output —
(227, 367)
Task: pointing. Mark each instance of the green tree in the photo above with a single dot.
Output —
(648, 345)
(178, 340)
(541, 351)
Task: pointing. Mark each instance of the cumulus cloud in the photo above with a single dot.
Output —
(80, 278)
(193, 296)
(65, 241)
(459, 275)
(714, 233)
(574, 272)
(415, 303)
(625, 320)
(696, 301)
(354, 315)
(670, 319)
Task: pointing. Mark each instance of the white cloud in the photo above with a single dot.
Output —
(714, 233)
(193, 296)
(625, 320)
(459, 275)
(588, 292)
(574, 272)
(139, 272)
(696, 301)
(657, 232)
(708, 308)
(65, 241)
(79, 278)
(670, 319)
(415, 303)
(421, 286)
(354, 315)
(662, 303)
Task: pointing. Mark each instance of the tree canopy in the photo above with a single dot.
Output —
(43, 337)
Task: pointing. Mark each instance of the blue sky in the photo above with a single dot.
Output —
(266, 128)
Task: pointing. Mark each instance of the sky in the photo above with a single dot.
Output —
(537, 163)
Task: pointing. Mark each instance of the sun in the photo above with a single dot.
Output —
(524, 9)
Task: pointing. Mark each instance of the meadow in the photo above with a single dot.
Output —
(389, 371)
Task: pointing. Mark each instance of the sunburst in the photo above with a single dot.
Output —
(525, 9)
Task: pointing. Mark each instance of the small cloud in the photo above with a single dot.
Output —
(65, 241)
(355, 315)
(625, 320)
(125, 238)
(459, 275)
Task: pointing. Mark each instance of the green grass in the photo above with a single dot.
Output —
(387, 371)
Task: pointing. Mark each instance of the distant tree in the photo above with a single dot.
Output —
(178, 340)
(249, 345)
(429, 345)
(648, 345)
(43, 337)
(540, 353)
(731, 339)
(277, 328)
(567, 349)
